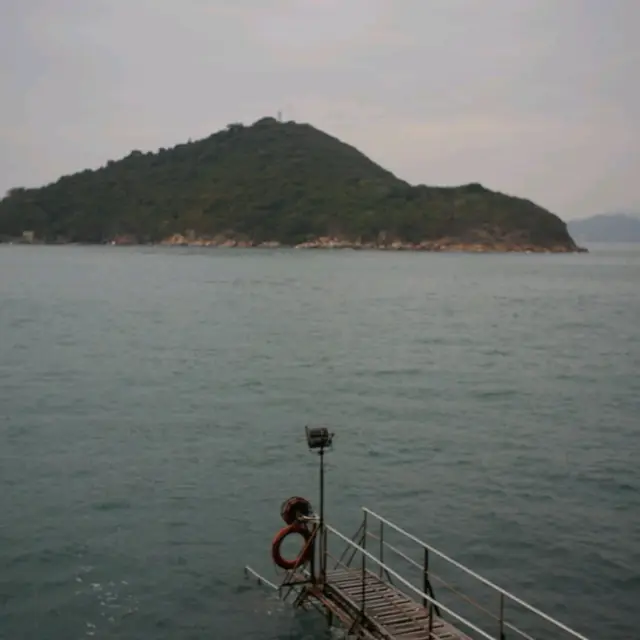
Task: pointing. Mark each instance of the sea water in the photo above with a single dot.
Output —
(152, 412)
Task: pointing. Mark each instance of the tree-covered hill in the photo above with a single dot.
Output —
(271, 182)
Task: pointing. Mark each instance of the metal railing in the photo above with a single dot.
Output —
(261, 580)
(366, 555)
(426, 591)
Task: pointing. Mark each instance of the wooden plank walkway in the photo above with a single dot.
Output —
(393, 613)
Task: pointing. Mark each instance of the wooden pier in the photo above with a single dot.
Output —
(365, 591)
(387, 612)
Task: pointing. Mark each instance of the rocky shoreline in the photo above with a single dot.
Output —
(444, 245)
(452, 245)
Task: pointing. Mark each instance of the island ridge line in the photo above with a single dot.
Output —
(273, 184)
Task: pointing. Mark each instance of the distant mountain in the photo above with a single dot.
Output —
(606, 227)
(273, 183)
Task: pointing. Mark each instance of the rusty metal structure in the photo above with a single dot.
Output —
(362, 589)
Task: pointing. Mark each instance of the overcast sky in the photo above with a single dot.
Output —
(538, 98)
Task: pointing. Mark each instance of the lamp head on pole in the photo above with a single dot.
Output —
(318, 438)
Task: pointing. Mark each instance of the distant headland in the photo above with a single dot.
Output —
(273, 184)
(607, 227)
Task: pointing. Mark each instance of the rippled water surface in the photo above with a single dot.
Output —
(152, 405)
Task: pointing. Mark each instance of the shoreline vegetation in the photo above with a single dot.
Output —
(273, 184)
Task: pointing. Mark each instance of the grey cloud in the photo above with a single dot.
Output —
(535, 97)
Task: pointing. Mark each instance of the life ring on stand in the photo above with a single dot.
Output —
(293, 508)
(305, 554)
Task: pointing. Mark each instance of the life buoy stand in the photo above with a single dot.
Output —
(303, 557)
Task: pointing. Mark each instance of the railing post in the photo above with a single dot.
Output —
(381, 548)
(364, 564)
(425, 576)
(430, 620)
(501, 636)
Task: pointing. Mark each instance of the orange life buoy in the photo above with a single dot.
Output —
(304, 555)
(293, 508)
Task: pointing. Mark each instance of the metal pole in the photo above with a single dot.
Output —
(323, 551)
(425, 576)
(430, 620)
(325, 547)
(502, 616)
(312, 561)
(364, 563)
(381, 546)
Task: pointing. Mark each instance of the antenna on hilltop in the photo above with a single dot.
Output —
(280, 116)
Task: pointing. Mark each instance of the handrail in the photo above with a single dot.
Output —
(398, 577)
(412, 562)
(261, 579)
(509, 595)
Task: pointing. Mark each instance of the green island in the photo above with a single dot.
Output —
(273, 184)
